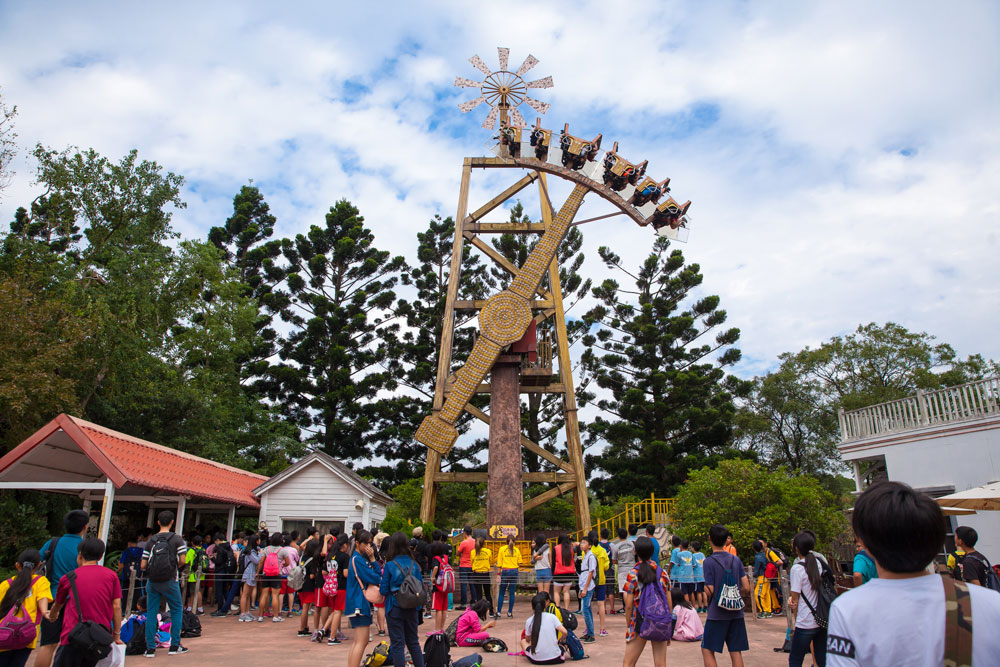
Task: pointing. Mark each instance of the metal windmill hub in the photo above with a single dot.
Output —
(503, 90)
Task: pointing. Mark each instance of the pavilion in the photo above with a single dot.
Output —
(73, 456)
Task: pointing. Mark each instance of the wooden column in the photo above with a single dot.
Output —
(504, 494)
(428, 501)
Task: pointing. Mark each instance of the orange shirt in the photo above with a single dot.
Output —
(730, 548)
(465, 548)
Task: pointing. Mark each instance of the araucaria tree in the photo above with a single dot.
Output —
(657, 356)
(340, 303)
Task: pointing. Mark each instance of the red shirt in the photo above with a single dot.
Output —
(98, 587)
(465, 548)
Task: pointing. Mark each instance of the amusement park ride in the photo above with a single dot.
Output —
(506, 349)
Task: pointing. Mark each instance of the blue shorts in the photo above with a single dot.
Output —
(544, 575)
(601, 593)
(699, 587)
(360, 621)
(689, 588)
(732, 633)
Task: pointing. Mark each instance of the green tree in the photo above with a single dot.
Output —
(752, 501)
(665, 402)
(340, 306)
(458, 504)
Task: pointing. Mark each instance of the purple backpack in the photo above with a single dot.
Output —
(17, 632)
(657, 617)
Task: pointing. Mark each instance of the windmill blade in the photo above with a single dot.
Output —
(478, 63)
(462, 82)
(541, 83)
(528, 63)
(504, 53)
(540, 107)
(466, 107)
(516, 119)
(491, 119)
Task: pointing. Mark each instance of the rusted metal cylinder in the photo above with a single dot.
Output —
(504, 494)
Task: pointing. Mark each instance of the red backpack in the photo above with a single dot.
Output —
(446, 577)
(330, 578)
(272, 565)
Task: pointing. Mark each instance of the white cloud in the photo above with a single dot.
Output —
(783, 123)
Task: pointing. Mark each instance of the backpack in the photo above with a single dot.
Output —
(411, 593)
(128, 629)
(495, 645)
(992, 582)
(225, 559)
(574, 645)
(378, 657)
(162, 563)
(272, 565)
(657, 619)
(201, 562)
(446, 577)
(437, 651)
(91, 640)
(780, 555)
(452, 633)
(136, 645)
(49, 555)
(132, 561)
(190, 625)
(729, 593)
(297, 575)
(472, 660)
(17, 632)
(330, 583)
(569, 619)
(825, 596)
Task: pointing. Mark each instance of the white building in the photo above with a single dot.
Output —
(938, 442)
(320, 491)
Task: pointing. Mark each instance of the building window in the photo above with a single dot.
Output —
(302, 525)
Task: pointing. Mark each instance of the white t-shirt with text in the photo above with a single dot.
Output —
(902, 622)
(587, 566)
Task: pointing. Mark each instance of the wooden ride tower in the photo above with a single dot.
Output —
(506, 317)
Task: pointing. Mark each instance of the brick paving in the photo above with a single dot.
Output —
(224, 641)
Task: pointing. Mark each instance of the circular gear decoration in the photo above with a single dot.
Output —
(504, 318)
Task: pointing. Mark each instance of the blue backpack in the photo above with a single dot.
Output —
(574, 646)
(657, 617)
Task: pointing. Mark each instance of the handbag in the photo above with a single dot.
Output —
(18, 632)
(372, 593)
(91, 640)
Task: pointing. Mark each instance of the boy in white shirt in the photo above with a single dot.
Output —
(900, 618)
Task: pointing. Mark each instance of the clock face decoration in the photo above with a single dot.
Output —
(503, 91)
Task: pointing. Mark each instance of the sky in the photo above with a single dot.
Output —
(843, 158)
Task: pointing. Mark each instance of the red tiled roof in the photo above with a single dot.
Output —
(129, 460)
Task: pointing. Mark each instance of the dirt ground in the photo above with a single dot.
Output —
(225, 641)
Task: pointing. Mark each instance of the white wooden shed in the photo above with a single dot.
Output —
(321, 491)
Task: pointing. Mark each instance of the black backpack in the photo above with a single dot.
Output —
(137, 644)
(452, 632)
(190, 625)
(412, 593)
(569, 619)
(437, 652)
(825, 596)
(992, 581)
(162, 563)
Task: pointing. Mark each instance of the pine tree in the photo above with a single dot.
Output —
(340, 307)
(664, 399)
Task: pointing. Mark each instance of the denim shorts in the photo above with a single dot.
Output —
(544, 575)
(732, 633)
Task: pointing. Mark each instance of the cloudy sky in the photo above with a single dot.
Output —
(843, 157)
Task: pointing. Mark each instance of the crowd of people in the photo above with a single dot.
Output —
(383, 585)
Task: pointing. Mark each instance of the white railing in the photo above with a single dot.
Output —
(927, 408)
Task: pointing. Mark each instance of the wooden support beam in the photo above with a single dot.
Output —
(527, 443)
(543, 498)
(477, 304)
(555, 388)
(482, 477)
(493, 254)
(485, 209)
(504, 227)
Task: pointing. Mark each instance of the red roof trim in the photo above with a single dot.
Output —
(94, 452)
(42, 434)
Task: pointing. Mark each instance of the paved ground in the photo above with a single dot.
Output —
(226, 642)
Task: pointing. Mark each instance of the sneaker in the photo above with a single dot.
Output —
(460, 607)
(588, 639)
(150, 653)
(218, 613)
(510, 614)
(381, 633)
(260, 619)
(201, 611)
(332, 641)
(317, 636)
(326, 634)
(603, 633)
(177, 650)
(277, 619)
(304, 633)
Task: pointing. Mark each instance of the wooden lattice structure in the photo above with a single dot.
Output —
(505, 317)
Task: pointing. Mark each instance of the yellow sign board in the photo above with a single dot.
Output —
(501, 532)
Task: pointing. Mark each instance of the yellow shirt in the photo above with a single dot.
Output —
(481, 560)
(42, 590)
(507, 562)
